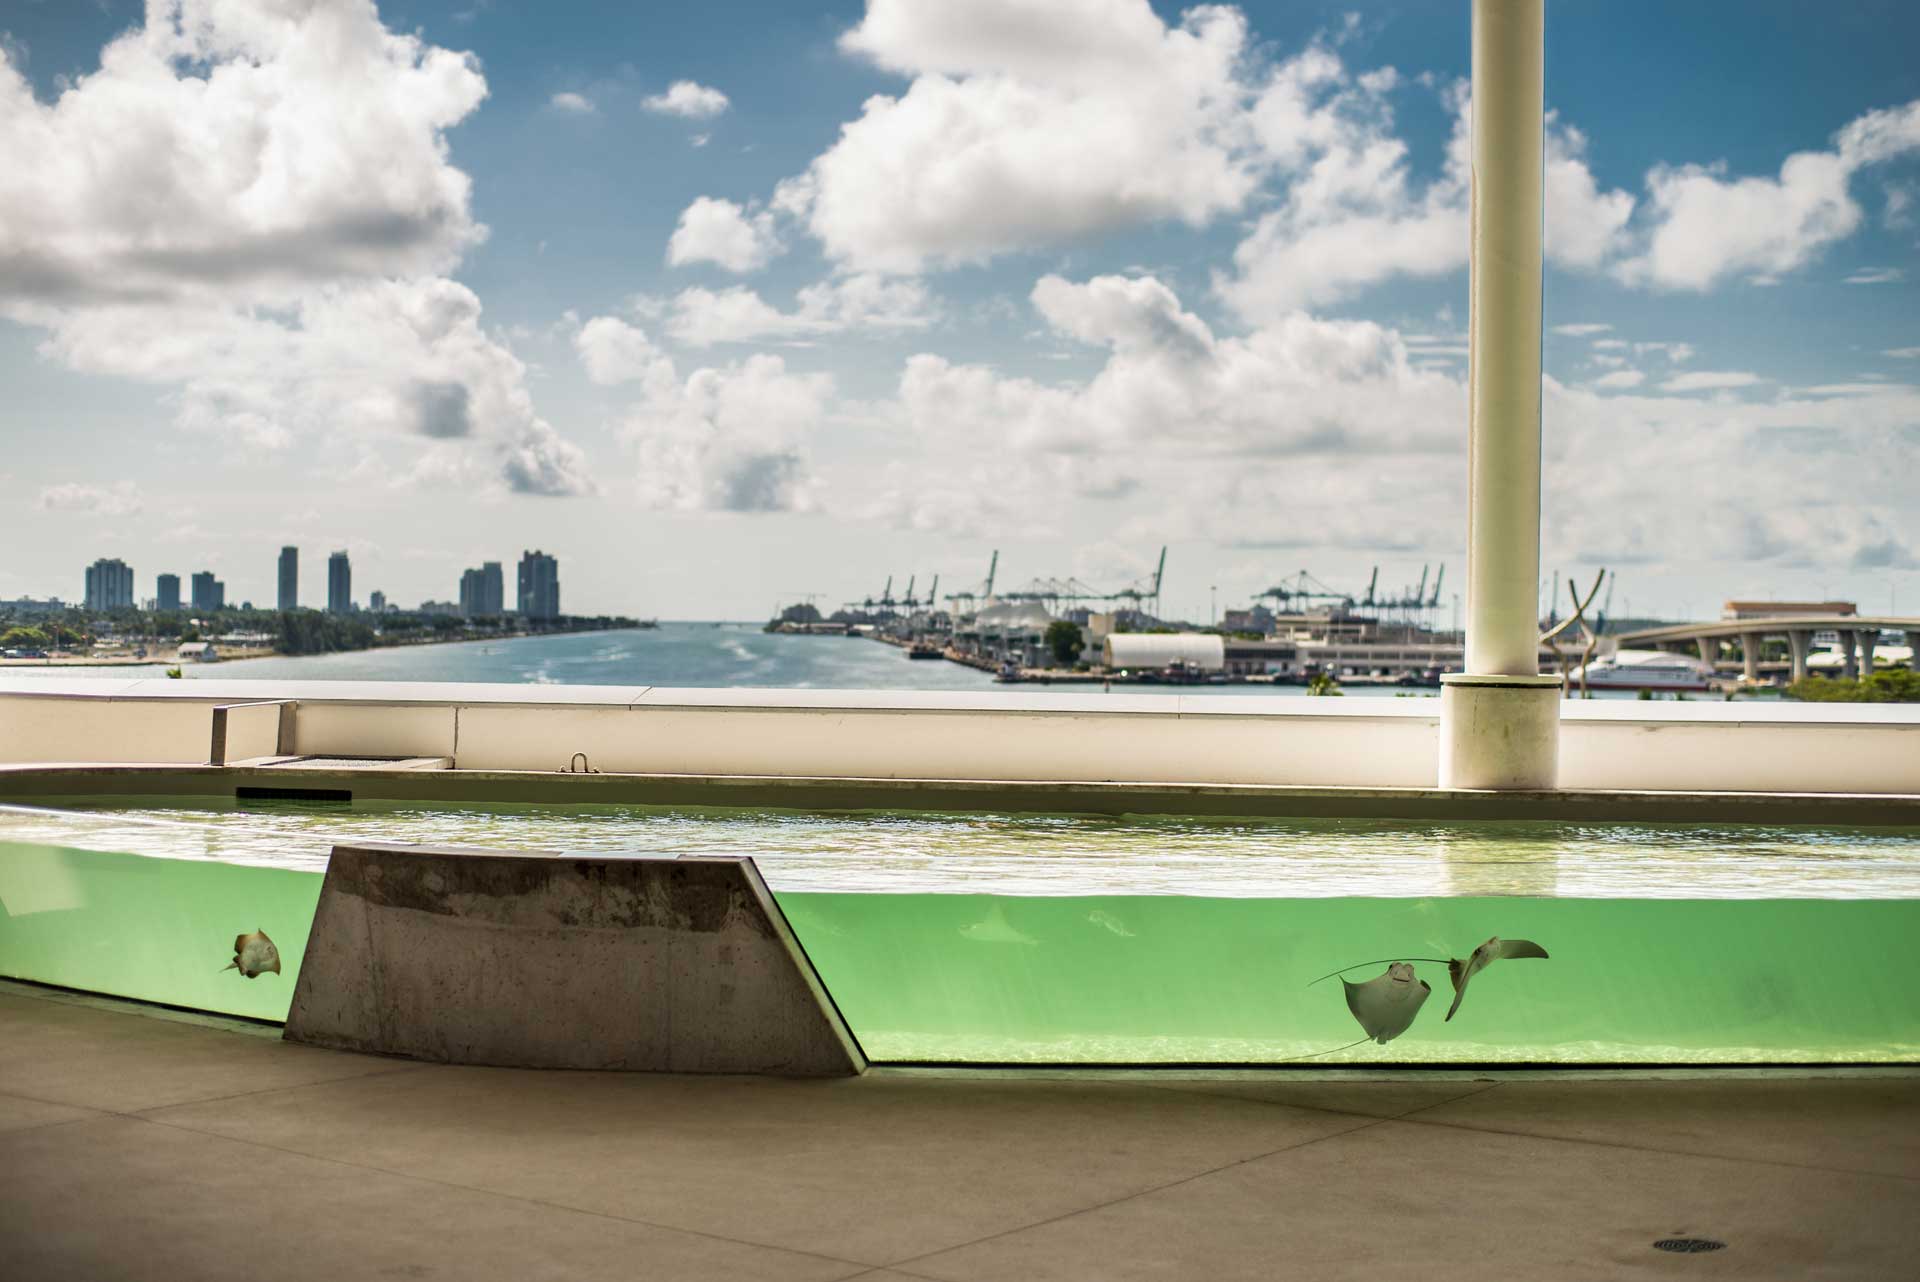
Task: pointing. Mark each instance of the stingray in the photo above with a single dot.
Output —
(1386, 1004)
(254, 955)
(994, 928)
(1495, 949)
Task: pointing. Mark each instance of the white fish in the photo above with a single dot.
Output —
(1386, 1004)
(1495, 949)
(254, 955)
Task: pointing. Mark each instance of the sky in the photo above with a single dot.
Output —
(730, 304)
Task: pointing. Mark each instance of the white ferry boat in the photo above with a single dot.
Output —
(1647, 670)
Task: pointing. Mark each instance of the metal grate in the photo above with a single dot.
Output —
(292, 794)
(1688, 1245)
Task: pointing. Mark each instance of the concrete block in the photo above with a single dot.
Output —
(541, 960)
(1499, 732)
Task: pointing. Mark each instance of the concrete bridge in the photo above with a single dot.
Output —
(1857, 632)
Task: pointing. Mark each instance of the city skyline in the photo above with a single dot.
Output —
(679, 283)
(109, 583)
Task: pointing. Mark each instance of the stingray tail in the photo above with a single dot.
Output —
(1317, 1054)
(1384, 961)
(1457, 969)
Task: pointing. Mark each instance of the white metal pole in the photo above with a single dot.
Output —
(1503, 539)
(1500, 719)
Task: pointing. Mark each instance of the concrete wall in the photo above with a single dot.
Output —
(242, 731)
(38, 727)
(1165, 738)
(562, 961)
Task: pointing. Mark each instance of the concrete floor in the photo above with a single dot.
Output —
(134, 1145)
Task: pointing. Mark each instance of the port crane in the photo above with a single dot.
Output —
(885, 602)
(965, 600)
(1298, 593)
(1070, 592)
(1412, 603)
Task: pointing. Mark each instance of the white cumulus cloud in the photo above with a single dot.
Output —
(861, 302)
(573, 104)
(1353, 216)
(689, 99)
(718, 231)
(253, 204)
(119, 499)
(613, 351)
(1711, 380)
(1705, 226)
(732, 439)
(1028, 125)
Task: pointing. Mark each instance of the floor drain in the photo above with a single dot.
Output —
(1688, 1245)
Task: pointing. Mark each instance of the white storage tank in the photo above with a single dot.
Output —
(1156, 651)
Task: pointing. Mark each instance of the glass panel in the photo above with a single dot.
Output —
(159, 930)
(1170, 979)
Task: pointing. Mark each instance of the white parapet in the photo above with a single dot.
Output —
(1261, 739)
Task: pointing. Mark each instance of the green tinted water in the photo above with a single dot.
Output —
(1172, 979)
(157, 930)
(992, 939)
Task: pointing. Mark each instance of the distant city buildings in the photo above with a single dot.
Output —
(483, 592)
(209, 593)
(1258, 619)
(109, 585)
(339, 584)
(539, 586)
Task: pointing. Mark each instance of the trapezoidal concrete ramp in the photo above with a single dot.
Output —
(588, 961)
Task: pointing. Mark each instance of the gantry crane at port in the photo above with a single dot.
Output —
(1297, 594)
(1068, 593)
(1301, 592)
(888, 604)
(967, 600)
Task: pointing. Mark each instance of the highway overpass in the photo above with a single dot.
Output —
(1857, 633)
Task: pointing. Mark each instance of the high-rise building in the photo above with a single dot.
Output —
(209, 593)
(377, 602)
(109, 585)
(339, 584)
(167, 592)
(289, 578)
(483, 592)
(539, 586)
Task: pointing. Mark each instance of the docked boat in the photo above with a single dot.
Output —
(924, 650)
(1647, 670)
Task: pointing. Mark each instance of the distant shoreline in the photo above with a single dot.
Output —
(245, 656)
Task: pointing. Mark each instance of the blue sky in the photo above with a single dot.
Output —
(879, 290)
